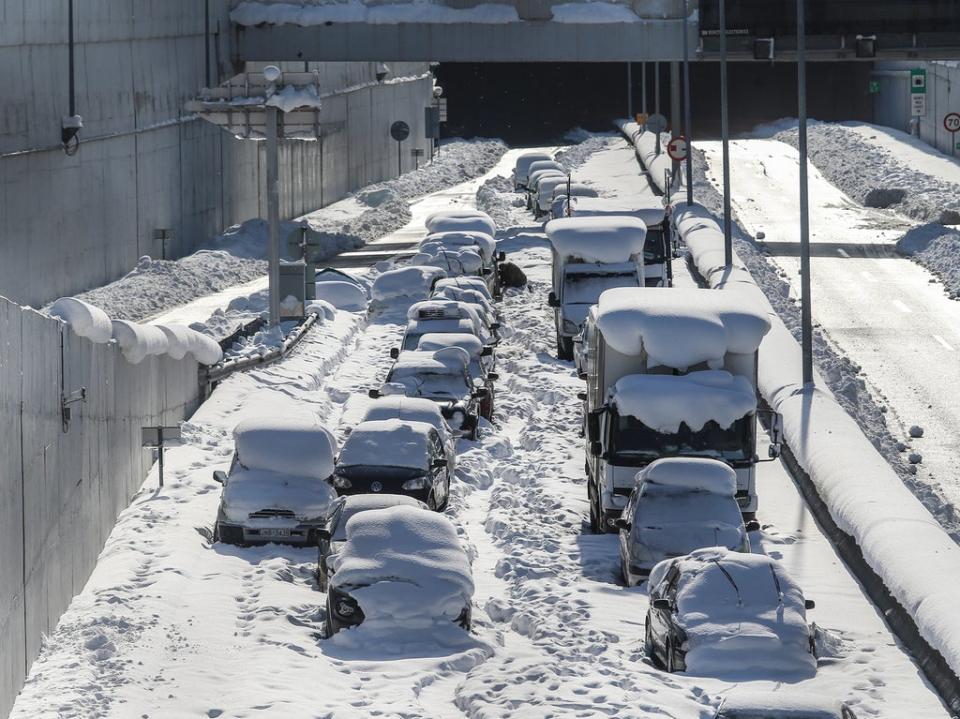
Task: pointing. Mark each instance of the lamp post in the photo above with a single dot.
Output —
(272, 74)
(725, 133)
(687, 121)
(806, 314)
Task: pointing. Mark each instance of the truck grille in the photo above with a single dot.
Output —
(272, 513)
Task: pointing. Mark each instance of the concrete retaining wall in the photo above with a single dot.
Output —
(61, 491)
(891, 106)
(72, 223)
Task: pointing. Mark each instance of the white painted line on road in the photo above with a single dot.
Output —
(942, 341)
(843, 253)
(868, 277)
(900, 306)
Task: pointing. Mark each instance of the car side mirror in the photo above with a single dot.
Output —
(494, 326)
(439, 463)
(486, 351)
(809, 604)
(753, 526)
(593, 425)
(582, 376)
(582, 396)
(487, 270)
(493, 376)
(323, 534)
(373, 393)
(662, 604)
(552, 300)
(480, 392)
(394, 352)
(622, 524)
(220, 477)
(773, 451)
(501, 256)
(596, 448)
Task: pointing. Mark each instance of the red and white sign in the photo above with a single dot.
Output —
(952, 122)
(677, 148)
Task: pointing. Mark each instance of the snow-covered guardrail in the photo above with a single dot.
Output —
(899, 540)
(658, 165)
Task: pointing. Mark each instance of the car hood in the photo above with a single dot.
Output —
(249, 491)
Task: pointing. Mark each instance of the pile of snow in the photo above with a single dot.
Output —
(84, 319)
(938, 249)
(287, 445)
(745, 629)
(403, 564)
(354, 11)
(342, 295)
(182, 339)
(392, 442)
(694, 474)
(663, 402)
(681, 328)
(137, 341)
(412, 281)
(597, 239)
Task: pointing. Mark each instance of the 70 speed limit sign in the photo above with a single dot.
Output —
(952, 122)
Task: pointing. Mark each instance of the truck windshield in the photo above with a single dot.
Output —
(585, 288)
(654, 249)
(632, 442)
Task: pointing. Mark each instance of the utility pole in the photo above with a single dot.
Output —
(687, 121)
(725, 132)
(273, 213)
(806, 314)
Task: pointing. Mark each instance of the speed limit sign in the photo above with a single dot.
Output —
(952, 122)
(677, 148)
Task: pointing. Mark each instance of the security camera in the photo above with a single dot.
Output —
(382, 71)
(272, 73)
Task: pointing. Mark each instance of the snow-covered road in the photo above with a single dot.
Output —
(172, 625)
(886, 313)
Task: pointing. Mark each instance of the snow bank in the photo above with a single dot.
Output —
(900, 540)
(412, 281)
(354, 11)
(287, 445)
(662, 401)
(609, 240)
(182, 339)
(84, 319)
(139, 341)
(681, 328)
(938, 249)
(342, 295)
(404, 563)
(695, 474)
(252, 490)
(391, 442)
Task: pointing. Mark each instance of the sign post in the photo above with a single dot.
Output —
(678, 152)
(657, 124)
(154, 437)
(952, 124)
(918, 95)
(399, 131)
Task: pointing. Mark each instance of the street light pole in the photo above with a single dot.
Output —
(273, 213)
(725, 132)
(687, 121)
(806, 314)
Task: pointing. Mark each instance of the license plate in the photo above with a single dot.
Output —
(274, 532)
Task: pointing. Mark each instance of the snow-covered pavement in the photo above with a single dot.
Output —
(886, 313)
(171, 624)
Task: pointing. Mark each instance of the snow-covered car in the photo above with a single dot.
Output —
(403, 567)
(533, 183)
(360, 409)
(544, 197)
(332, 536)
(472, 283)
(481, 242)
(461, 221)
(679, 504)
(482, 361)
(412, 281)
(559, 207)
(442, 377)
(394, 456)
(455, 261)
(277, 489)
(715, 612)
(522, 167)
(440, 316)
(471, 296)
(784, 703)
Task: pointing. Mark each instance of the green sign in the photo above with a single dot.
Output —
(874, 87)
(918, 81)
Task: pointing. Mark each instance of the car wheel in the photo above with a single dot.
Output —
(564, 348)
(322, 581)
(594, 518)
(328, 622)
(648, 643)
(624, 574)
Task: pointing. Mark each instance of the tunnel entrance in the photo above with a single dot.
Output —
(538, 103)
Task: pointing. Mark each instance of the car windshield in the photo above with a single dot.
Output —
(338, 524)
(434, 385)
(585, 288)
(632, 442)
(654, 251)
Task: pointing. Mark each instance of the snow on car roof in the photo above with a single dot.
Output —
(485, 242)
(547, 185)
(785, 702)
(662, 401)
(473, 283)
(403, 563)
(539, 165)
(287, 445)
(691, 473)
(447, 360)
(474, 223)
(680, 327)
(528, 158)
(597, 239)
(464, 294)
(433, 341)
(387, 442)
(583, 206)
(577, 189)
(536, 176)
(408, 409)
(410, 281)
(364, 502)
(434, 309)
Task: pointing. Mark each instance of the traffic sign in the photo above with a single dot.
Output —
(677, 148)
(952, 122)
(656, 123)
(918, 81)
(399, 131)
(918, 105)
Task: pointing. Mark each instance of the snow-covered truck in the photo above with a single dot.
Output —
(657, 252)
(670, 373)
(590, 255)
